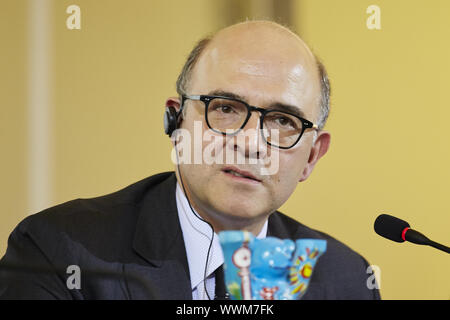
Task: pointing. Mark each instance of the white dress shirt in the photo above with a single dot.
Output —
(197, 238)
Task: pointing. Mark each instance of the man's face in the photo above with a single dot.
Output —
(263, 69)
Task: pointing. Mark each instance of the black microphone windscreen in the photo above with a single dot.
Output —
(390, 227)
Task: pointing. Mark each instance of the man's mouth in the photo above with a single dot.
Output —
(233, 171)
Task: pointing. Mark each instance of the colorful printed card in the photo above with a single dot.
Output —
(270, 268)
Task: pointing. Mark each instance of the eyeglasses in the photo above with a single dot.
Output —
(228, 116)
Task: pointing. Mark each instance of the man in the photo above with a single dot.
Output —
(157, 239)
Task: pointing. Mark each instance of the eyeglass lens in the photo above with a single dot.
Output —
(229, 116)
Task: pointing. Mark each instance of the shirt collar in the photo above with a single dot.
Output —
(197, 238)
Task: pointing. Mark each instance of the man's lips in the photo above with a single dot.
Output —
(240, 173)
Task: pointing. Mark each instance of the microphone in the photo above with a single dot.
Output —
(398, 230)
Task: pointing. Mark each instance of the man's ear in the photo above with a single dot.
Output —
(318, 150)
(173, 102)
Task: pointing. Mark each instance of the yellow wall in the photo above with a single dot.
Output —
(13, 117)
(389, 150)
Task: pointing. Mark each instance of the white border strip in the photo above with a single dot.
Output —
(39, 170)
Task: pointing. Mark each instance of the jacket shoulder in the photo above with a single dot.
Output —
(73, 212)
(101, 224)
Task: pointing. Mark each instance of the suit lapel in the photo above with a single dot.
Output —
(277, 228)
(158, 240)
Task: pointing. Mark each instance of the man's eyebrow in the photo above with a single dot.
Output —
(287, 108)
(226, 94)
(274, 105)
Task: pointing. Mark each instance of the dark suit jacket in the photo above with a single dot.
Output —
(129, 245)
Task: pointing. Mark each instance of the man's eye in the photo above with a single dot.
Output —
(224, 108)
(283, 121)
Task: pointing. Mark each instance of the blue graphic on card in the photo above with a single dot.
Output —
(269, 268)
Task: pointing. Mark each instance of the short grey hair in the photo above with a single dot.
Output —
(186, 73)
(325, 92)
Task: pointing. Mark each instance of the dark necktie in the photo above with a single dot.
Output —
(220, 291)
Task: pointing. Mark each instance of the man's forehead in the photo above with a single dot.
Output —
(253, 64)
(259, 49)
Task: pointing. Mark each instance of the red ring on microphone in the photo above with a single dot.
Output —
(404, 233)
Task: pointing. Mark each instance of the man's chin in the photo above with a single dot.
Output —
(240, 215)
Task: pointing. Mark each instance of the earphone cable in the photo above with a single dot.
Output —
(200, 218)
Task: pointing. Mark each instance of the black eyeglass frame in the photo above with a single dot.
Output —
(206, 99)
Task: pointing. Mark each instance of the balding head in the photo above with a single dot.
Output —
(266, 35)
(248, 41)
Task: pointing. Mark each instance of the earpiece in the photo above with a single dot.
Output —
(170, 120)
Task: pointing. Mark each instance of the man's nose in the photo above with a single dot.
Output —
(249, 141)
